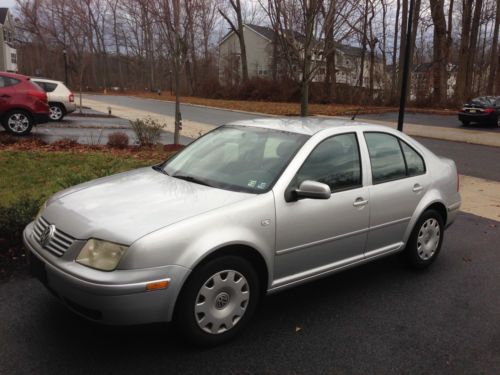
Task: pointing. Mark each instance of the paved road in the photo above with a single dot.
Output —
(220, 116)
(427, 119)
(189, 112)
(379, 319)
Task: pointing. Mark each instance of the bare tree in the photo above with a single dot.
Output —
(237, 28)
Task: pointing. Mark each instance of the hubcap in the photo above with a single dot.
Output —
(18, 122)
(55, 113)
(221, 302)
(428, 239)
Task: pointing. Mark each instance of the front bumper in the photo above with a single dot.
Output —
(117, 298)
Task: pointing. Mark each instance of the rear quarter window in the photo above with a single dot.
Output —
(8, 81)
(46, 86)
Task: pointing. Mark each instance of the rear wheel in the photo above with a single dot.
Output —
(425, 241)
(217, 301)
(56, 112)
(18, 122)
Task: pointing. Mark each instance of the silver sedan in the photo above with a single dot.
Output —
(251, 208)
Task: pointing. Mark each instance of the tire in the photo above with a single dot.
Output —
(425, 240)
(57, 112)
(212, 299)
(18, 122)
(465, 123)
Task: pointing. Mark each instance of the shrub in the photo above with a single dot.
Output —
(118, 140)
(14, 218)
(147, 130)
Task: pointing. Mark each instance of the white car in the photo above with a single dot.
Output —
(61, 99)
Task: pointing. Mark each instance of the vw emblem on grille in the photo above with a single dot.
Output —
(47, 235)
(221, 300)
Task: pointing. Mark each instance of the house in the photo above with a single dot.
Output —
(422, 83)
(261, 47)
(8, 54)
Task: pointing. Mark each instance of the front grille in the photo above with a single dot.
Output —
(60, 241)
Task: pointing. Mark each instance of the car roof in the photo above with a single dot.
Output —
(14, 75)
(45, 80)
(309, 125)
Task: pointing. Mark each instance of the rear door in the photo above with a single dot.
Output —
(398, 185)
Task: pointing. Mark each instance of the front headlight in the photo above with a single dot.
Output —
(101, 255)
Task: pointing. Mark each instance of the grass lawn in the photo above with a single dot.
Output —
(27, 174)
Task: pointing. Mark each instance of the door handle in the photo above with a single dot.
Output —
(359, 202)
(417, 188)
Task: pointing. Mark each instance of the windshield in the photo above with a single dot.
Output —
(236, 158)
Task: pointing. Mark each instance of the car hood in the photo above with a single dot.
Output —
(124, 207)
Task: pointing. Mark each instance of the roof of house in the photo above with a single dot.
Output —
(3, 14)
(349, 50)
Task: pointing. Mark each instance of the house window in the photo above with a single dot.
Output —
(262, 71)
(13, 58)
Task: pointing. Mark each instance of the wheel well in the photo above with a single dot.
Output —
(63, 107)
(246, 252)
(441, 209)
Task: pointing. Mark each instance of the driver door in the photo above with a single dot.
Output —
(314, 235)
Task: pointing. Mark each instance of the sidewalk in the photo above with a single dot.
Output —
(190, 129)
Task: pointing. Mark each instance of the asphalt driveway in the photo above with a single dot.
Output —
(379, 318)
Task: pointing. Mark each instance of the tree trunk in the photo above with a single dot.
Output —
(394, 52)
(304, 98)
(439, 65)
(473, 46)
(461, 92)
(494, 53)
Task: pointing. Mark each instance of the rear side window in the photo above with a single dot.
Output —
(46, 86)
(334, 162)
(8, 81)
(391, 158)
(414, 162)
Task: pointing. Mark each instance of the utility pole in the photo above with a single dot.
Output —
(406, 68)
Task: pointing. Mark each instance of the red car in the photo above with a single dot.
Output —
(22, 103)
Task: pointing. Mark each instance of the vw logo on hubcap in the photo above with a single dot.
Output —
(221, 300)
(47, 235)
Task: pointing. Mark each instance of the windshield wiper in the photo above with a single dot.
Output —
(158, 168)
(191, 179)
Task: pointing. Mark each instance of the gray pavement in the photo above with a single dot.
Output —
(450, 121)
(212, 116)
(381, 318)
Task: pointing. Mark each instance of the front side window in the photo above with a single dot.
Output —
(334, 162)
(391, 158)
(238, 158)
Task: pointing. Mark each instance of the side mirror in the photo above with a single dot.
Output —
(313, 190)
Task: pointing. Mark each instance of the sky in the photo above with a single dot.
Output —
(7, 3)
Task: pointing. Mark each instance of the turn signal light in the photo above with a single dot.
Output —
(155, 285)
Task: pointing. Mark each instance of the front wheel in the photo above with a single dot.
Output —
(217, 301)
(425, 241)
(18, 122)
(465, 123)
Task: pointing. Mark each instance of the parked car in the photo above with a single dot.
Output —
(22, 103)
(250, 208)
(61, 99)
(483, 110)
